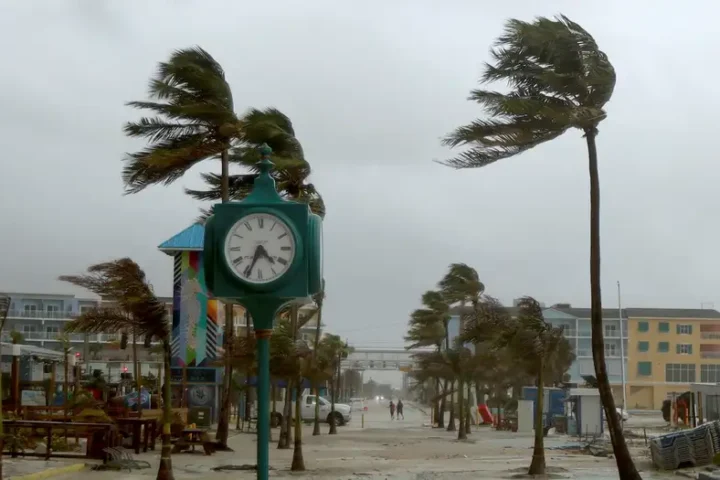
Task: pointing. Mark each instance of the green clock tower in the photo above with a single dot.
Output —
(263, 253)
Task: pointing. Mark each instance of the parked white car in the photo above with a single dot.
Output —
(343, 412)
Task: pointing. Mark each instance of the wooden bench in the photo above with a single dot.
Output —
(104, 433)
(190, 437)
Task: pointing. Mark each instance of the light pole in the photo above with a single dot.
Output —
(622, 353)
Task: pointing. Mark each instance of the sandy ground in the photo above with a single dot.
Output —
(400, 449)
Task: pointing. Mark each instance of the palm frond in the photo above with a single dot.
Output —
(558, 79)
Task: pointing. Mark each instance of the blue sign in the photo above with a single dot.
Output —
(131, 399)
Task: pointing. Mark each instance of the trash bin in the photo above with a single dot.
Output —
(200, 416)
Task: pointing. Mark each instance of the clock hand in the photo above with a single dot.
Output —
(249, 268)
(267, 255)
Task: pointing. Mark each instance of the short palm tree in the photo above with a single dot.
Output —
(4, 308)
(135, 304)
(194, 120)
(334, 349)
(559, 80)
(428, 326)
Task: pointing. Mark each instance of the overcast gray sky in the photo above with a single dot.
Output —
(371, 87)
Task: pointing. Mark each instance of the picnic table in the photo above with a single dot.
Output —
(146, 425)
(190, 437)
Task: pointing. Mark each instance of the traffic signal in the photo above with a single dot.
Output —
(148, 341)
(384, 365)
(123, 341)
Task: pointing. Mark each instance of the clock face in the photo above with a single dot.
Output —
(260, 248)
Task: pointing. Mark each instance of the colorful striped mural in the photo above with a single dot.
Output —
(195, 316)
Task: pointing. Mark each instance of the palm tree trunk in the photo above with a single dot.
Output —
(284, 440)
(224, 417)
(443, 399)
(436, 403)
(316, 422)
(298, 463)
(468, 414)
(537, 465)
(626, 467)
(451, 421)
(165, 471)
(333, 393)
(66, 380)
(462, 435)
(138, 373)
(316, 392)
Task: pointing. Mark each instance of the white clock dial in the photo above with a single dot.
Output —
(260, 248)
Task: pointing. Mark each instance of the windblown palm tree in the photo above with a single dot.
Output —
(428, 326)
(559, 80)
(133, 303)
(334, 349)
(194, 121)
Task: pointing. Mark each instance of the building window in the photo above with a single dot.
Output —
(85, 309)
(28, 328)
(643, 327)
(684, 329)
(664, 327)
(683, 349)
(611, 350)
(30, 309)
(644, 369)
(663, 347)
(680, 372)
(611, 331)
(710, 373)
(643, 346)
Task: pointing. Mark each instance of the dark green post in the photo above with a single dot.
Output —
(263, 395)
(263, 252)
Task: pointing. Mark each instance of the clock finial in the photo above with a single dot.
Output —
(265, 165)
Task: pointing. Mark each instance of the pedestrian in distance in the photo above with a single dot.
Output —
(392, 410)
(400, 409)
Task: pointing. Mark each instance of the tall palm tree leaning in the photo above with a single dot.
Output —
(194, 120)
(134, 302)
(559, 79)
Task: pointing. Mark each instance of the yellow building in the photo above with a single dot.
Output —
(668, 349)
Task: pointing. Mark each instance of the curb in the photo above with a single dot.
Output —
(51, 472)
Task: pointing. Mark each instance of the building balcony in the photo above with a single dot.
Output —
(709, 354)
(710, 335)
(73, 338)
(41, 314)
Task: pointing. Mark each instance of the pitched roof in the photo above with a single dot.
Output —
(192, 238)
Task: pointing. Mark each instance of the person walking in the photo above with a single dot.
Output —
(400, 409)
(392, 410)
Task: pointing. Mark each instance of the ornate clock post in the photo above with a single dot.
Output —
(263, 253)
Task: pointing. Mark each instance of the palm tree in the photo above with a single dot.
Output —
(334, 349)
(457, 365)
(559, 79)
(134, 303)
(194, 121)
(428, 327)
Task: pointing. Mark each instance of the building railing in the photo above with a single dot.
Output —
(42, 314)
(709, 354)
(710, 335)
(75, 337)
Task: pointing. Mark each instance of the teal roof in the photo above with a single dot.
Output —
(191, 238)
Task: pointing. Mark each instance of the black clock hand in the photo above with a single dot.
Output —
(266, 254)
(249, 268)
